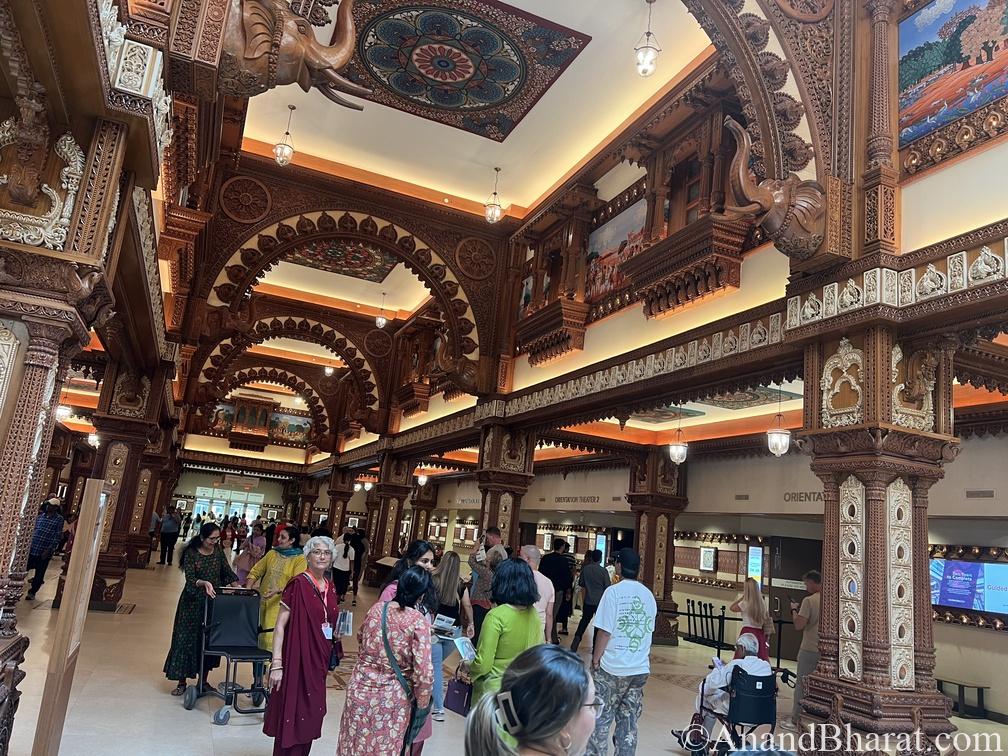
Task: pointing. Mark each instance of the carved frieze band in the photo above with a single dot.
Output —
(964, 269)
(901, 585)
(851, 588)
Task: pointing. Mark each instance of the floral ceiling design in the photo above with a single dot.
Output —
(348, 258)
(477, 65)
(739, 400)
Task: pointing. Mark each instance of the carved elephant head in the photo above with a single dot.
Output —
(790, 210)
(267, 45)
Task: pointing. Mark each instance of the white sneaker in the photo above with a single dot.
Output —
(438, 716)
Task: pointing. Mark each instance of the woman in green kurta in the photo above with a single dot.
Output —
(511, 627)
(282, 563)
(206, 570)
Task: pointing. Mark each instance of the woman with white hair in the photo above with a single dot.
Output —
(302, 649)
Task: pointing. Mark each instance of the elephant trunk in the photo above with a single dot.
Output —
(344, 38)
(749, 198)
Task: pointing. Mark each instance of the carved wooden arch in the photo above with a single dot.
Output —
(223, 354)
(248, 264)
(780, 62)
(314, 401)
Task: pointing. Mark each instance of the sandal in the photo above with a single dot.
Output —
(179, 689)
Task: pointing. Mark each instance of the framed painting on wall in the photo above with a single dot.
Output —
(708, 559)
(953, 63)
(610, 244)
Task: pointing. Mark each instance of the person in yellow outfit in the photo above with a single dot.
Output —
(271, 574)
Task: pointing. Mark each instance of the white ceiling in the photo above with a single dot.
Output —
(403, 290)
(590, 100)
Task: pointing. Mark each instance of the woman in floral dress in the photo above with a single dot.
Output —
(271, 574)
(377, 712)
(206, 570)
(253, 549)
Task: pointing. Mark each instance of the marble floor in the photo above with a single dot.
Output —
(120, 701)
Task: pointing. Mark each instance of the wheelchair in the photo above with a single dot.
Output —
(752, 703)
(231, 630)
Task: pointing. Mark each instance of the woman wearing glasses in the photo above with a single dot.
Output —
(206, 570)
(302, 649)
(546, 704)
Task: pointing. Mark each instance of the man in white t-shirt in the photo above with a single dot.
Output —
(547, 594)
(621, 660)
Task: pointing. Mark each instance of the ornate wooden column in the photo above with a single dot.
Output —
(308, 497)
(873, 409)
(341, 483)
(657, 495)
(81, 465)
(393, 488)
(26, 449)
(503, 477)
(128, 460)
(424, 502)
(291, 498)
(59, 458)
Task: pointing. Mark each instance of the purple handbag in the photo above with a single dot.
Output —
(458, 697)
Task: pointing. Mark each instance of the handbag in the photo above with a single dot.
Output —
(418, 715)
(458, 697)
(335, 654)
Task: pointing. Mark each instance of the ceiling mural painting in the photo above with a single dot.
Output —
(477, 65)
(348, 257)
(662, 415)
(739, 400)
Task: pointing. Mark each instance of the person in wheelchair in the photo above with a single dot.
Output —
(713, 697)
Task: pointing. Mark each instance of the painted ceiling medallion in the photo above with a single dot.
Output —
(739, 400)
(477, 65)
(356, 259)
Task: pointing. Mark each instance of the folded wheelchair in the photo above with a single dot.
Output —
(231, 630)
(752, 703)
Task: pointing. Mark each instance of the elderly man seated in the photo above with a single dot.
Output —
(712, 697)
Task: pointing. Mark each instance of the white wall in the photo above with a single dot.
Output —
(949, 201)
(774, 486)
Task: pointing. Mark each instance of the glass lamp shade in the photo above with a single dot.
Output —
(646, 55)
(283, 152)
(492, 209)
(62, 412)
(381, 321)
(368, 486)
(357, 487)
(421, 480)
(778, 440)
(93, 440)
(677, 449)
(329, 370)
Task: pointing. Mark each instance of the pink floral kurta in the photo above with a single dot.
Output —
(377, 711)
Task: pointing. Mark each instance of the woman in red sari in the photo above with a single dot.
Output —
(302, 646)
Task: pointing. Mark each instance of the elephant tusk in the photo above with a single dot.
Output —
(337, 98)
(343, 84)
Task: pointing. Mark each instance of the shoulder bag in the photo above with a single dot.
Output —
(418, 716)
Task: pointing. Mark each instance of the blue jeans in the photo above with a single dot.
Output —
(441, 649)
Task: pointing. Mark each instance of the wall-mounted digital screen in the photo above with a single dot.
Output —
(971, 586)
(754, 563)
